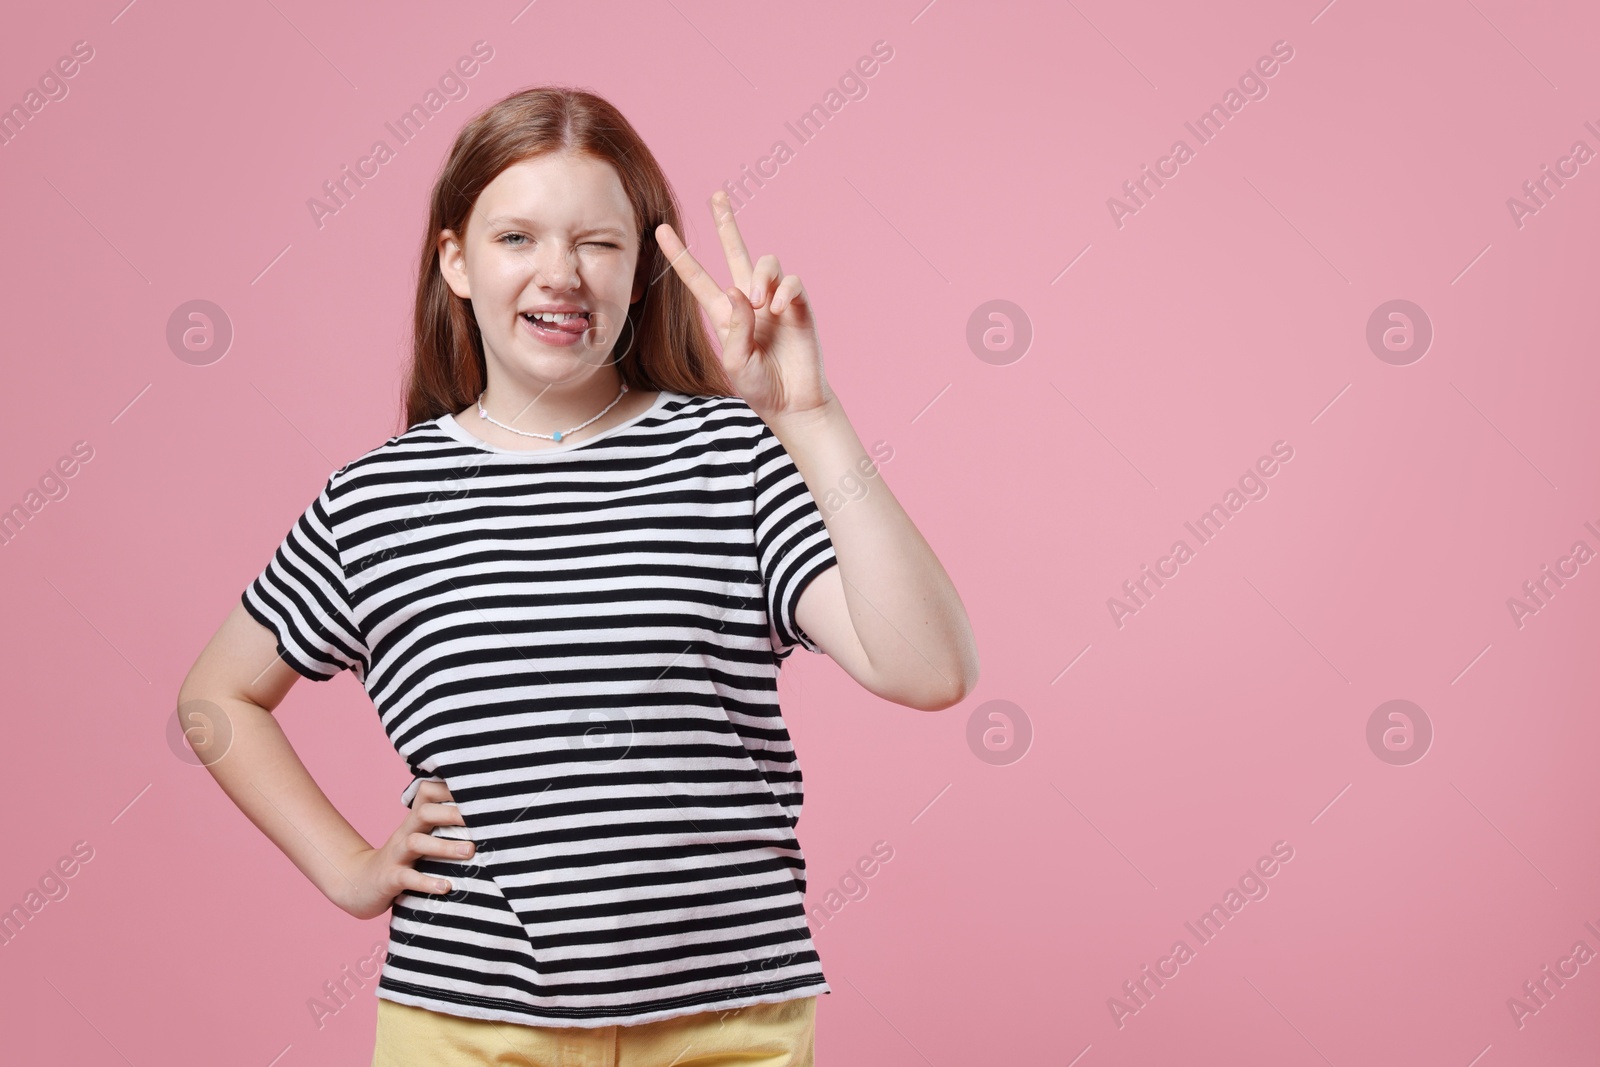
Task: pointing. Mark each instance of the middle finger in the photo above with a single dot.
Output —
(732, 242)
(440, 847)
(440, 815)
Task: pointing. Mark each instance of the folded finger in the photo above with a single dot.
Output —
(429, 790)
(439, 815)
(417, 882)
(764, 280)
(790, 291)
(447, 848)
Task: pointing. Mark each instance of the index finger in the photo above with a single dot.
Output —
(702, 285)
(431, 792)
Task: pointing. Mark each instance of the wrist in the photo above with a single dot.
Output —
(342, 878)
(788, 424)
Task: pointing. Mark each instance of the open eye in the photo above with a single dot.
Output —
(506, 238)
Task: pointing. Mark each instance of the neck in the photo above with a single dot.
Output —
(547, 409)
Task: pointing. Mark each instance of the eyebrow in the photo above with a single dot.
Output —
(520, 221)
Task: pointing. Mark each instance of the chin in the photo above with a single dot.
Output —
(555, 368)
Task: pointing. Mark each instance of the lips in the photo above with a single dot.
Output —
(573, 322)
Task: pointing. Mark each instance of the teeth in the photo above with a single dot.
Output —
(554, 316)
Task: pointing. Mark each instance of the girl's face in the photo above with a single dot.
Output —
(555, 233)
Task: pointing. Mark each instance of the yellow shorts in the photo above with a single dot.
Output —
(759, 1035)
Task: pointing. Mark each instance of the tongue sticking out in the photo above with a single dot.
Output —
(573, 325)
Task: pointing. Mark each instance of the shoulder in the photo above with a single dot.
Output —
(731, 427)
(726, 416)
(410, 456)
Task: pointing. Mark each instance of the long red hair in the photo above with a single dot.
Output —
(670, 347)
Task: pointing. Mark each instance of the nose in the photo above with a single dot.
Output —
(554, 268)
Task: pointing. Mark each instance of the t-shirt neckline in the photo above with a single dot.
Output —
(447, 422)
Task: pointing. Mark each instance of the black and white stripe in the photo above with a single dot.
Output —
(584, 643)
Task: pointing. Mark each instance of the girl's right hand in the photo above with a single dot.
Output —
(376, 877)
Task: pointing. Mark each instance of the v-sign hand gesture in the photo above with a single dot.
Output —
(764, 322)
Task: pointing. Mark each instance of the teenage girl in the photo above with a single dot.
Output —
(568, 586)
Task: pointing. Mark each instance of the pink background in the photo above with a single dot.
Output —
(1229, 313)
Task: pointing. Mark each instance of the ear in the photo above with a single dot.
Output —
(449, 250)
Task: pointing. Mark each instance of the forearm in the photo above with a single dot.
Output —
(905, 610)
(261, 772)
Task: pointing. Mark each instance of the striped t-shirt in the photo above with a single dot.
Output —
(583, 642)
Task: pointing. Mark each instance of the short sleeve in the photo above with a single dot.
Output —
(791, 540)
(302, 597)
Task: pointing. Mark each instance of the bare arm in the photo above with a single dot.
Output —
(888, 613)
(226, 704)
